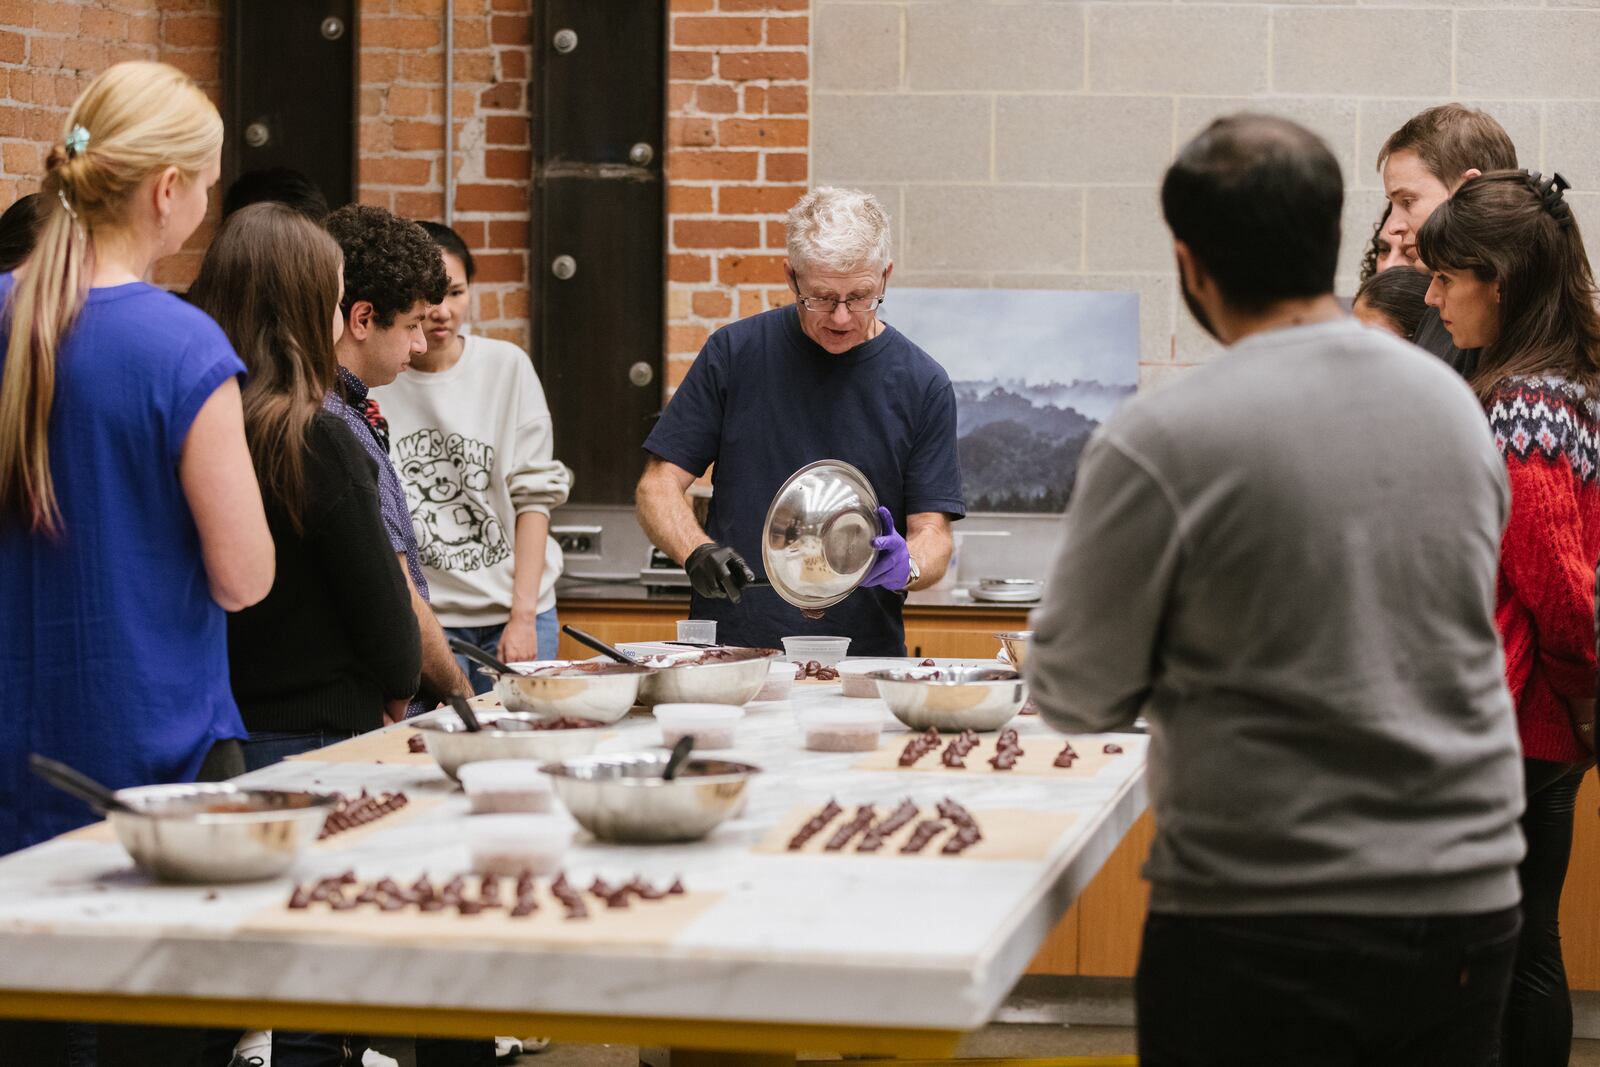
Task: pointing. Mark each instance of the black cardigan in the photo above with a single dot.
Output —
(336, 636)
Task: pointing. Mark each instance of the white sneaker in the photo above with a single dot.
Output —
(377, 1059)
(254, 1049)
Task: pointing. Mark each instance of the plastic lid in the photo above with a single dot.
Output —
(533, 830)
(841, 716)
(686, 714)
(504, 775)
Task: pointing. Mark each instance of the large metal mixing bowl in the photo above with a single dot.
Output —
(817, 542)
(217, 832)
(724, 680)
(959, 698)
(625, 798)
(452, 745)
(1015, 642)
(597, 690)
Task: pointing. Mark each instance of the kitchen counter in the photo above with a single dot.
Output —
(844, 952)
(573, 587)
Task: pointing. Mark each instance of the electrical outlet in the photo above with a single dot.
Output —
(578, 542)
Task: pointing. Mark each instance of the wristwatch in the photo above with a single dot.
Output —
(916, 572)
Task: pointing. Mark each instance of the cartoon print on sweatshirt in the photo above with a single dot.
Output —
(446, 480)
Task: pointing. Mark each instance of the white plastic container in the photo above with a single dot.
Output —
(827, 651)
(506, 786)
(712, 725)
(780, 681)
(701, 631)
(853, 680)
(850, 729)
(508, 845)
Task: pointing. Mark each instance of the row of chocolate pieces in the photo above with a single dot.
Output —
(351, 812)
(920, 746)
(880, 831)
(1069, 755)
(967, 833)
(1007, 750)
(875, 833)
(816, 670)
(388, 895)
(955, 753)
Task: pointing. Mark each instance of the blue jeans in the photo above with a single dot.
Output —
(488, 639)
(263, 748)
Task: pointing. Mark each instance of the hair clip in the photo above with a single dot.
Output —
(61, 195)
(77, 142)
(1550, 190)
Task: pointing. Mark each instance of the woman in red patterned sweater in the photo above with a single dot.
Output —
(1510, 276)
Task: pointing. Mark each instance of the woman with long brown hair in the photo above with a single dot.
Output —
(335, 641)
(1510, 275)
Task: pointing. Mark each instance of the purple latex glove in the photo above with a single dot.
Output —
(892, 568)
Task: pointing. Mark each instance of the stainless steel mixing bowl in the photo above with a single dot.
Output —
(452, 745)
(817, 544)
(625, 799)
(597, 690)
(721, 681)
(1015, 642)
(217, 832)
(960, 698)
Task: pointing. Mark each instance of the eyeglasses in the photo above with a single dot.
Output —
(827, 304)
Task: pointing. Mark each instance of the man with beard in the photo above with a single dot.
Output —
(1286, 561)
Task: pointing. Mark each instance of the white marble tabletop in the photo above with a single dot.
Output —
(842, 940)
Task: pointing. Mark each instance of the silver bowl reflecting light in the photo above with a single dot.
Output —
(1015, 642)
(217, 832)
(625, 798)
(602, 691)
(817, 544)
(452, 745)
(723, 681)
(959, 698)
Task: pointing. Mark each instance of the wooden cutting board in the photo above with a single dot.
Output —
(1007, 835)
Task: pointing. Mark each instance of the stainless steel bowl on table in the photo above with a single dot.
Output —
(716, 676)
(816, 545)
(952, 699)
(595, 689)
(1015, 643)
(626, 799)
(217, 832)
(452, 745)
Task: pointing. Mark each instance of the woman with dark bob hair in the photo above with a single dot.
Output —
(1510, 275)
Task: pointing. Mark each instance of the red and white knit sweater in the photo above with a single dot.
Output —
(1548, 430)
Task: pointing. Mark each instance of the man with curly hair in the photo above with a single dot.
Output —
(392, 274)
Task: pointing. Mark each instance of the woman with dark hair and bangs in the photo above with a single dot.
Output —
(335, 643)
(1510, 275)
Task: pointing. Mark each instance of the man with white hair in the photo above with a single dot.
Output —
(823, 378)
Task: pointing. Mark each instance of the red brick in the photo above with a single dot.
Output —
(55, 17)
(683, 267)
(691, 132)
(407, 101)
(472, 67)
(510, 29)
(706, 233)
(688, 199)
(712, 165)
(502, 267)
(687, 338)
(504, 233)
(765, 5)
(380, 68)
(786, 166)
(751, 303)
(757, 199)
(715, 30)
(112, 25)
(22, 160)
(689, 65)
(472, 232)
(776, 235)
(13, 48)
(789, 31)
(46, 53)
(503, 163)
(417, 205)
(92, 57)
(691, 5)
(753, 66)
(745, 270)
(514, 304)
(507, 96)
(488, 304)
(491, 198)
(716, 99)
(473, 32)
(679, 95)
(765, 133)
(712, 304)
(418, 136)
(513, 63)
(180, 31)
(401, 33)
(755, 100)
(788, 100)
(397, 170)
(505, 129)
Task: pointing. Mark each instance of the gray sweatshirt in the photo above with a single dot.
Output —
(1286, 559)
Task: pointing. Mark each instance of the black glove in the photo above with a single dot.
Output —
(718, 571)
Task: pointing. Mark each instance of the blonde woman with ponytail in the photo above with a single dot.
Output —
(130, 518)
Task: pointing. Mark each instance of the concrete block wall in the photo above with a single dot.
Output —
(1021, 143)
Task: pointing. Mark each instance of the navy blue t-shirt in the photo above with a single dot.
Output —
(762, 401)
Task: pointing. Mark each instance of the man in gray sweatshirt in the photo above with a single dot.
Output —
(1286, 560)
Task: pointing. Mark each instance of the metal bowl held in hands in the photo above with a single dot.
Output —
(626, 799)
(816, 545)
(952, 699)
(1015, 643)
(216, 832)
(593, 689)
(715, 676)
(510, 735)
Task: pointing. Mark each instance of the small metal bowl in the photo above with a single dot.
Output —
(816, 546)
(1015, 642)
(960, 698)
(452, 745)
(723, 681)
(217, 832)
(625, 799)
(554, 689)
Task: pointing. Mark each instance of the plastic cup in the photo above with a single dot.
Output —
(508, 845)
(711, 724)
(849, 729)
(503, 786)
(700, 631)
(827, 651)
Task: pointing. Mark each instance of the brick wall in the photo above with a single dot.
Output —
(1020, 144)
(738, 133)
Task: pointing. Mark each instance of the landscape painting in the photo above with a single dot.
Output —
(1035, 371)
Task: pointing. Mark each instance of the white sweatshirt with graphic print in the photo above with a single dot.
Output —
(474, 450)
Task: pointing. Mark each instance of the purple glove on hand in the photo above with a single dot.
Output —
(892, 568)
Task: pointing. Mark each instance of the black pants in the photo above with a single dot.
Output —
(1323, 990)
(1538, 1020)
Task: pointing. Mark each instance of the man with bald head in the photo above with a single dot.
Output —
(1285, 560)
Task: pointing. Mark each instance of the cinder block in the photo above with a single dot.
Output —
(1571, 142)
(1082, 138)
(1166, 48)
(1380, 118)
(1586, 206)
(1157, 294)
(1331, 119)
(1125, 230)
(1528, 54)
(979, 228)
(1014, 47)
(857, 47)
(1352, 50)
(866, 137)
(935, 279)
